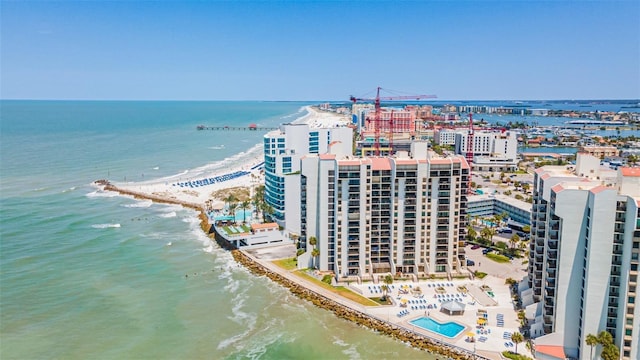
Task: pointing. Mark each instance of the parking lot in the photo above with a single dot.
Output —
(514, 269)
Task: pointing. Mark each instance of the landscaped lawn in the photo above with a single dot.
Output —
(287, 264)
(232, 230)
(340, 290)
(498, 258)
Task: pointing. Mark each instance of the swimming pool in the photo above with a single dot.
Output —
(450, 329)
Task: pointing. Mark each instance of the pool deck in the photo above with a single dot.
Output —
(488, 344)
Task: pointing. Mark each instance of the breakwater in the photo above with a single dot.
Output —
(204, 220)
(339, 310)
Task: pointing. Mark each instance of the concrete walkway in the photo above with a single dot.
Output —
(489, 341)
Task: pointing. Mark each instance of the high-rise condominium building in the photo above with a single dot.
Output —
(584, 258)
(282, 152)
(383, 215)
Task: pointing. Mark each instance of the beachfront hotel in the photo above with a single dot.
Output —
(487, 205)
(283, 149)
(584, 258)
(378, 215)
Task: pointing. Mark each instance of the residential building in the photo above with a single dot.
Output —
(370, 216)
(283, 149)
(448, 136)
(492, 150)
(600, 151)
(584, 258)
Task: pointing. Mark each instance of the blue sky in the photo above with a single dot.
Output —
(313, 50)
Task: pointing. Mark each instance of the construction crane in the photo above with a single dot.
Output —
(376, 118)
(469, 155)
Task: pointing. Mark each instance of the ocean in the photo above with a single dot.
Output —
(85, 274)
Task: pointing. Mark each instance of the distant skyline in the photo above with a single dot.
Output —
(314, 50)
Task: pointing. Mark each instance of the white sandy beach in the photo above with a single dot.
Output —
(169, 188)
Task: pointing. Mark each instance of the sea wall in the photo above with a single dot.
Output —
(349, 314)
(315, 298)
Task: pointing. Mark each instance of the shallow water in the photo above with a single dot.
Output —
(86, 274)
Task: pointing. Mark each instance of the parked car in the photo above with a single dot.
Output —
(486, 251)
(475, 247)
(505, 230)
(470, 262)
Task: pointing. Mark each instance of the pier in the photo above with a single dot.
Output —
(252, 127)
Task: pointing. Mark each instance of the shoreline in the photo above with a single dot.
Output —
(169, 187)
(161, 191)
(303, 292)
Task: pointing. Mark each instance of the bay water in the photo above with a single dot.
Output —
(85, 274)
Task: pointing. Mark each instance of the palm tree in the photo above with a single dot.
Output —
(471, 233)
(517, 338)
(514, 240)
(313, 241)
(388, 279)
(244, 205)
(232, 210)
(592, 341)
(384, 289)
(267, 210)
(496, 220)
(229, 199)
(504, 215)
(487, 234)
(523, 244)
(315, 253)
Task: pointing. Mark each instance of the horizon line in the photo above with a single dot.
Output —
(334, 100)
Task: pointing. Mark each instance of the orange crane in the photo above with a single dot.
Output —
(376, 118)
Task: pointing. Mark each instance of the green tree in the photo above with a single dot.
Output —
(471, 233)
(514, 240)
(232, 209)
(523, 244)
(244, 205)
(517, 338)
(610, 352)
(388, 279)
(258, 199)
(230, 199)
(592, 341)
(313, 241)
(315, 253)
(604, 338)
(526, 229)
(487, 234)
(267, 210)
(384, 289)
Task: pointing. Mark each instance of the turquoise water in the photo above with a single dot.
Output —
(450, 329)
(85, 274)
